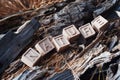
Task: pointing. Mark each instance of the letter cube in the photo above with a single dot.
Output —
(99, 23)
(60, 42)
(30, 57)
(87, 30)
(44, 46)
(71, 33)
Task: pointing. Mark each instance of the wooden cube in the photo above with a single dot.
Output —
(71, 33)
(30, 57)
(99, 23)
(60, 42)
(44, 46)
(87, 30)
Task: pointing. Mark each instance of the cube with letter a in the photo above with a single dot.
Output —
(60, 42)
(30, 57)
(99, 23)
(71, 33)
(87, 30)
(44, 46)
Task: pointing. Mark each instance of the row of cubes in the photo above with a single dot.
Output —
(61, 42)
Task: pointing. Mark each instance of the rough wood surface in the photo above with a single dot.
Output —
(6, 40)
(81, 52)
(13, 48)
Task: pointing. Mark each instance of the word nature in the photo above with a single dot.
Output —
(62, 42)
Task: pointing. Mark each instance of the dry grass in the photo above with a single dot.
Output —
(8, 7)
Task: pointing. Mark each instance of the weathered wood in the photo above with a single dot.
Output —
(57, 29)
(65, 75)
(4, 42)
(1, 36)
(105, 6)
(113, 72)
(34, 74)
(18, 43)
(14, 67)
